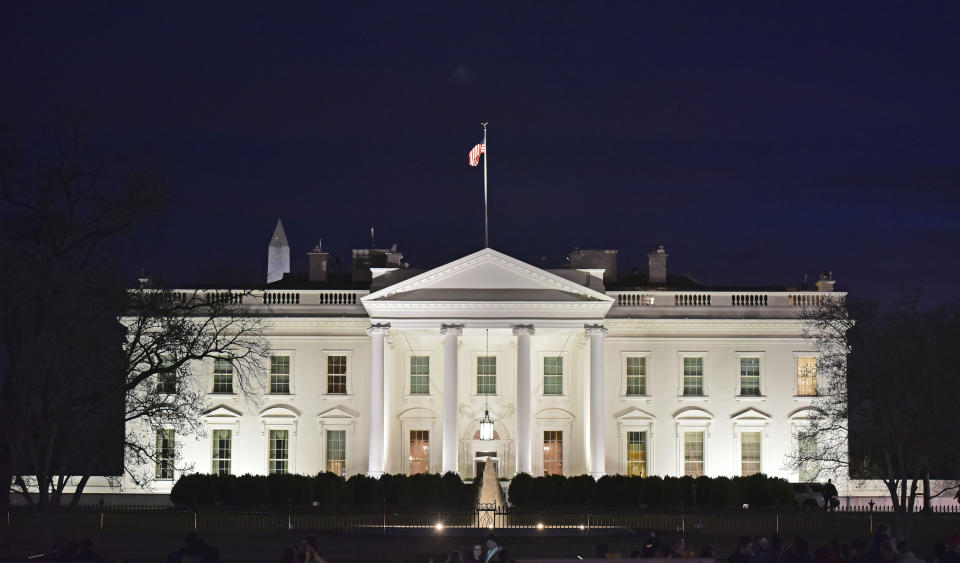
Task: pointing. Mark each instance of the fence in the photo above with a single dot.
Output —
(846, 522)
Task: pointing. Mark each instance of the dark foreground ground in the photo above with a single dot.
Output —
(129, 539)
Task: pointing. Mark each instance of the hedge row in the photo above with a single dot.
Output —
(326, 489)
(619, 490)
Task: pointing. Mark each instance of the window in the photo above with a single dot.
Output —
(337, 451)
(166, 377)
(807, 376)
(337, 375)
(552, 452)
(749, 453)
(279, 452)
(419, 375)
(693, 376)
(636, 454)
(419, 451)
(693, 454)
(553, 375)
(166, 451)
(222, 376)
(486, 375)
(280, 375)
(749, 377)
(807, 452)
(222, 449)
(636, 375)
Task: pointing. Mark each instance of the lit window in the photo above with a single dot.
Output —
(552, 452)
(280, 375)
(693, 376)
(222, 450)
(166, 452)
(337, 375)
(419, 451)
(693, 454)
(222, 376)
(749, 453)
(750, 377)
(486, 375)
(419, 375)
(553, 375)
(337, 451)
(636, 375)
(279, 452)
(637, 454)
(806, 376)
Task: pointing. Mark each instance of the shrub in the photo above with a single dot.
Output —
(519, 491)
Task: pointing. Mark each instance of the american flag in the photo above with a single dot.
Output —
(474, 157)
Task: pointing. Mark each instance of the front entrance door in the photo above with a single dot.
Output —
(480, 460)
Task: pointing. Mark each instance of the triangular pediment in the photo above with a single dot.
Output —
(222, 412)
(633, 413)
(471, 277)
(338, 412)
(750, 414)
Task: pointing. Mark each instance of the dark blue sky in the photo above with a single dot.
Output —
(757, 143)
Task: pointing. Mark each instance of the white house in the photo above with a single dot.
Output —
(581, 371)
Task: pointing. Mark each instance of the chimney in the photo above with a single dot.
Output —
(658, 265)
(318, 263)
(595, 260)
(278, 255)
(826, 282)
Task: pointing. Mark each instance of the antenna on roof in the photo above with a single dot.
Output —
(372, 245)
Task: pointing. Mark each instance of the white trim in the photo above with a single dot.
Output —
(648, 355)
(635, 420)
(473, 373)
(693, 419)
(336, 396)
(279, 418)
(706, 375)
(547, 420)
(419, 418)
(751, 420)
(435, 370)
(339, 418)
(208, 366)
(796, 374)
(565, 381)
(223, 418)
(290, 353)
(762, 356)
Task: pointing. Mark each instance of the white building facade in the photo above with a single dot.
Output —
(577, 379)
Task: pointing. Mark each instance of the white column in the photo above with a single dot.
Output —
(597, 407)
(375, 465)
(524, 419)
(450, 397)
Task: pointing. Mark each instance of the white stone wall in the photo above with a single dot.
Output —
(661, 413)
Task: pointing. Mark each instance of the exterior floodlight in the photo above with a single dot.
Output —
(486, 426)
(439, 526)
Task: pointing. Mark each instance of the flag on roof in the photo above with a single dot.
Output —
(474, 157)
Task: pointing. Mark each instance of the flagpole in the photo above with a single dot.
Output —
(486, 232)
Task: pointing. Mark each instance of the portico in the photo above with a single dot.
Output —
(515, 340)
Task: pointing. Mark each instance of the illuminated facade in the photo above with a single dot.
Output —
(580, 373)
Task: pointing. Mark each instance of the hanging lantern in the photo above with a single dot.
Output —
(486, 426)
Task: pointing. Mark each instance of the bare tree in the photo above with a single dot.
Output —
(885, 405)
(169, 335)
(81, 355)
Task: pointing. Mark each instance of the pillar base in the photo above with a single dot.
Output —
(597, 475)
(375, 474)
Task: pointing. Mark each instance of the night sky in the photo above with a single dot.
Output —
(757, 143)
